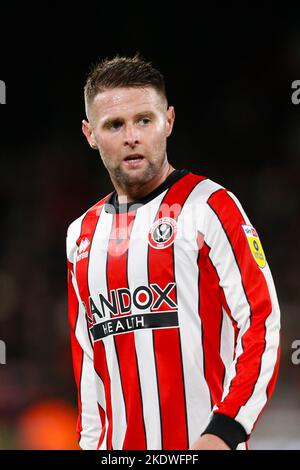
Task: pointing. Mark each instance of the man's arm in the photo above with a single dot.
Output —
(89, 422)
(250, 300)
(210, 442)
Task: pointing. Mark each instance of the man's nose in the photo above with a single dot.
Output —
(131, 136)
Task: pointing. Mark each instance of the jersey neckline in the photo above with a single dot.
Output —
(112, 205)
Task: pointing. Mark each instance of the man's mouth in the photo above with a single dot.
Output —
(133, 160)
(133, 157)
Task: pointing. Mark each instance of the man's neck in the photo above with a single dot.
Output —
(126, 195)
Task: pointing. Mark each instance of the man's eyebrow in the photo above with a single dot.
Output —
(145, 113)
(111, 120)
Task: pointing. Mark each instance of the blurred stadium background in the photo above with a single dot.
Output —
(229, 76)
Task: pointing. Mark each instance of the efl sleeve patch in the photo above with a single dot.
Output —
(255, 245)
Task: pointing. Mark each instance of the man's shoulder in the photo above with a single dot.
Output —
(205, 188)
(208, 189)
(74, 228)
(92, 211)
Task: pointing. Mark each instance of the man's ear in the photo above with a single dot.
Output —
(170, 120)
(87, 130)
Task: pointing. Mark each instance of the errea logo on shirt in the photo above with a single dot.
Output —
(255, 245)
(82, 249)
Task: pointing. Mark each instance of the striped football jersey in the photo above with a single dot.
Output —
(175, 323)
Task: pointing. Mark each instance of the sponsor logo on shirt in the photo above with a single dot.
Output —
(255, 245)
(155, 304)
(162, 233)
(82, 250)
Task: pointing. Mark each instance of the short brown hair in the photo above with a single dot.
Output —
(123, 72)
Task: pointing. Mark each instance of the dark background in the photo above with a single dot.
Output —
(228, 73)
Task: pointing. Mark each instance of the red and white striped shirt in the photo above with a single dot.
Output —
(174, 319)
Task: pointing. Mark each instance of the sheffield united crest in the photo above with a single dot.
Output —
(162, 233)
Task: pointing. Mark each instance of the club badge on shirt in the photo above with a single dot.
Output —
(255, 245)
(162, 233)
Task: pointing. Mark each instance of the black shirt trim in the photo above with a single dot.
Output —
(228, 429)
(112, 205)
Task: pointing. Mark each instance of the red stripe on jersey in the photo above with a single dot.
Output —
(135, 437)
(166, 342)
(75, 346)
(211, 315)
(248, 366)
(88, 227)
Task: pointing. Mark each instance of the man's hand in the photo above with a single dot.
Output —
(209, 442)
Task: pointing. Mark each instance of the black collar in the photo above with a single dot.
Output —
(112, 205)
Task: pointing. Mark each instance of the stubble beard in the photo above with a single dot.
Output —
(130, 180)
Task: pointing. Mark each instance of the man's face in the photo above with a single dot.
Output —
(130, 126)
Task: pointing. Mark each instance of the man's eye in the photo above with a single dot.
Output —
(145, 120)
(115, 125)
